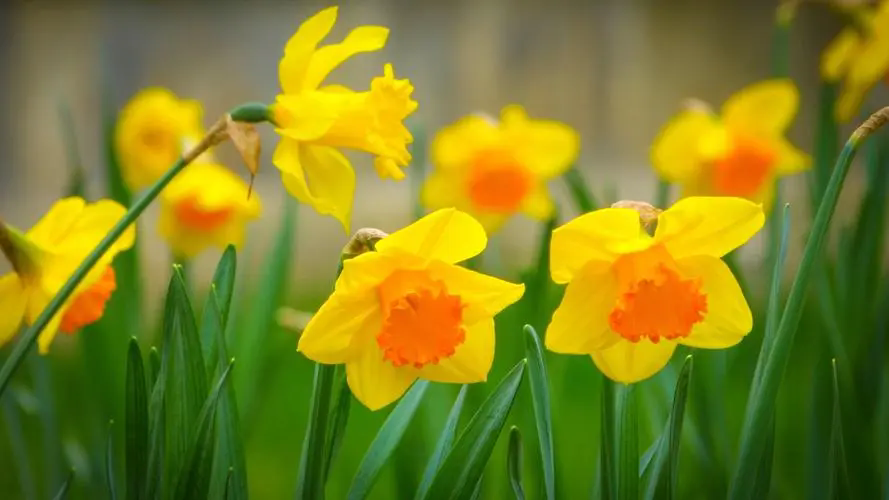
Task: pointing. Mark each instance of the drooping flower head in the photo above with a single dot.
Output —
(206, 205)
(632, 297)
(315, 121)
(738, 153)
(858, 58)
(494, 170)
(152, 131)
(407, 311)
(47, 255)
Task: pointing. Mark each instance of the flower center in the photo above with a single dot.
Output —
(497, 183)
(89, 305)
(655, 301)
(191, 214)
(745, 168)
(421, 321)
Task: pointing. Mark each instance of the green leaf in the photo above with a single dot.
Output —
(542, 410)
(764, 472)
(215, 315)
(339, 417)
(154, 366)
(109, 463)
(228, 484)
(580, 193)
(443, 444)
(21, 460)
(193, 479)
(761, 405)
(665, 464)
(841, 486)
(136, 422)
(72, 151)
(154, 479)
(628, 445)
(462, 468)
(313, 459)
(662, 195)
(386, 440)
(62, 494)
(514, 462)
(607, 443)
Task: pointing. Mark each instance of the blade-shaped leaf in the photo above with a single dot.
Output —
(443, 444)
(764, 473)
(542, 411)
(136, 421)
(664, 465)
(462, 469)
(109, 463)
(607, 443)
(386, 440)
(841, 484)
(339, 416)
(154, 366)
(514, 462)
(21, 460)
(310, 479)
(580, 192)
(62, 494)
(628, 445)
(215, 315)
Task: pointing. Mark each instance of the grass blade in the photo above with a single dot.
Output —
(215, 315)
(514, 463)
(109, 463)
(840, 473)
(386, 440)
(313, 459)
(607, 442)
(665, 463)
(542, 410)
(628, 445)
(154, 366)
(339, 417)
(580, 193)
(62, 494)
(443, 444)
(462, 469)
(136, 424)
(764, 473)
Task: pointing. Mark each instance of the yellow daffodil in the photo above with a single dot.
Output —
(739, 153)
(858, 57)
(496, 169)
(632, 297)
(315, 120)
(206, 205)
(407, 311)
(151, 133)
(46, 256)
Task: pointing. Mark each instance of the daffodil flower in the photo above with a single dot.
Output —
(152, 131)
(206, 205)
(739, 153)
(494, 170)
(407, 311)
(632, 297)
(858, 57)
(315, 121)
(46, 256)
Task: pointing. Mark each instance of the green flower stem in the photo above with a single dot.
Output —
(761, 404)
(247, 112)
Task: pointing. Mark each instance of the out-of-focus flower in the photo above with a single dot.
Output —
(206, 205)
(739, 153)
(858, 57)
(632, 297)
(152, 131)
(407, 311)
(496, 169)
(314, 121)
(46, 256)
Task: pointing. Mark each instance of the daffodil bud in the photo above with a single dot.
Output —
(364, 240)
(21, 253)
(648, 213)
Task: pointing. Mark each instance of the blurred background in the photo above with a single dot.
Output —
(616, 70)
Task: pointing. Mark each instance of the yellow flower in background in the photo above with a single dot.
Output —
(738, 153)
(632, 297)
(407, 311)
(46, 256)
(315, 121)
(858, 58)
(206, 205)
(494, 170)
(151, 133)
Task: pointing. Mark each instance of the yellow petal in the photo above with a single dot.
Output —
(765, 108)
(307, 116)
(441, 190)
(299, 49)
(790, 159)
(728, 317)
(484, 296)
(547, 148)
(839, 54)
(871, 63)
(374, 381)
(319, 176)
(325, 59)
(705, 225)
(13, 301)
(366, 271)
(580, 323)
(471, 360)
(58, 220)
(538, 203)
(600, 235)
(628, 362)
(74, 227)
(455, 146)
(675, 152)
(448, 235)
(342, 322)
(37, 302)
(849, 101)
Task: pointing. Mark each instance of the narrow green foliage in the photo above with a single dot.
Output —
(665, 463)
(764, 470)
(154, 366)
(109, 462)
(313, 459)
(136, 424)
(19, 447)
(538, 282)
(514, 462)
(339, 416)
(607, 441)
(72, 151)
(462, 468)
(443, 444)
(628, 445)
(580, 192)
(662, 196)
(540, 398)
(226, 493)
(215, 315)
(386, 440)
(62, 494)
(841, 486)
